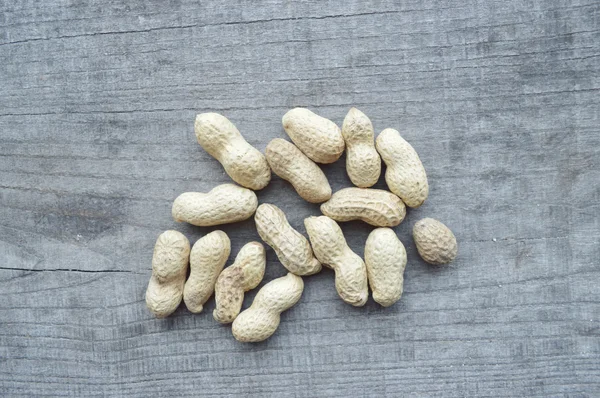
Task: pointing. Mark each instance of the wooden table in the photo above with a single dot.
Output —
(500, 98)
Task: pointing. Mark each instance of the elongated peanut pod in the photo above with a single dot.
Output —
(289, 163)
(320, 139)
(222, 140)
(331, 249)
(373, 206)
(244, 274)
(207, 259)
(405, 174)
(291, 247)
(385, 258)
(224, 204)
(435, 242)
(169, 269)
(363, 163)
(261, 320)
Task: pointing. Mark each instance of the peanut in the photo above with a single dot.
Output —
(222, 140)
(435, 242)
(405, 174)
(385, 258)
(224, 204)
(169, 269)
(244, 274)
(363, 163)
(373, 206)
(289, 163)
(319, 138)
(207, 259)
(261, 319)
(292, 249)
(331, 249)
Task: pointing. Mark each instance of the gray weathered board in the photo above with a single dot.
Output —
(500, 98)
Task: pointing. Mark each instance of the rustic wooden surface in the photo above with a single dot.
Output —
(500, 98)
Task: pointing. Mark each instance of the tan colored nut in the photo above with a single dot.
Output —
(207, 260)
(244, 274)
(319, 138)
(223, 141)
(291, 247)
(373, 206)
(289, 163)
(435, 242)
(224, 204)
(331, 249)
(385, 258)
(363, 163)
(261, 320)
(405, 174)
(169, 269)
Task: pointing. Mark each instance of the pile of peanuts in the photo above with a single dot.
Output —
(315, 140)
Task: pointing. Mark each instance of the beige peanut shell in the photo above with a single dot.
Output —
(373, 206)
(320, 139)
(291, 247)
(223, 141)
(405, 174)
(435, 242)
(207, 259)
(169, 269)
(385, 257)
(224, 204)
(261, 319)
(330, 247)
(289, 163)
(363, 163)
(244, 274)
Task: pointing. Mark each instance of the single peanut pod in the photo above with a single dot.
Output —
(291, 247)
(363, 163)
(244, 274)
(223, 204)
(207, 259)
(261, 319)
(435, 242)
(405, 174)
(373, 206)
(289, 163)
(223, 141)
(385, 257)
(320, 139)
(331, 249)
(169, 269)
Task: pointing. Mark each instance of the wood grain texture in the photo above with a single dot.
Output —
(500, 99)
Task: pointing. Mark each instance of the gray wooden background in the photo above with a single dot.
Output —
(500, 98)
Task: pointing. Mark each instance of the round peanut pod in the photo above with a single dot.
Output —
(435, 242)
(385, 258)
(223, 204)
(291, 247)
(207, 259)
(289, 163)
(331, 249)
(244, 274)
(320, 139)
(223, 141)
(373, 206)
(169, 269)
(405, 174)
(261, 320)
(363, 163)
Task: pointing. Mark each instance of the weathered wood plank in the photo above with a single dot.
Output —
(500, 99)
